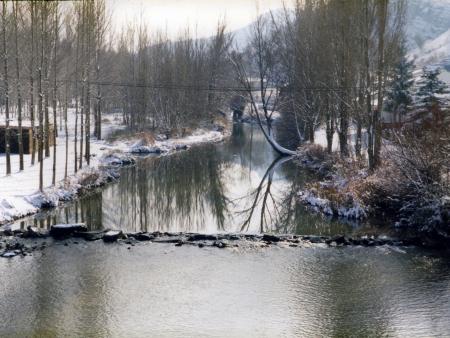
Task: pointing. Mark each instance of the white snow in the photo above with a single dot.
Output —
(356, 211)
(198, 137)
(435, 51)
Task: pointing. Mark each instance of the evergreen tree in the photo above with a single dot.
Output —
(430, 89)
(399, 94)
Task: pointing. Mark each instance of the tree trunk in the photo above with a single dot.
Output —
(268, 135)
(41, 99)
(33, 134)
(6, 84)
(55, 90)
(330, 132)
(383, 4)
(66, 129)
(19, 93)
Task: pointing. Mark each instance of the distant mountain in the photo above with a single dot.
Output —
(426, 20)
(241, 37)
(427, 31)
(434, 52)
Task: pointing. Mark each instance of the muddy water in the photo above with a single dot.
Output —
(237, 185)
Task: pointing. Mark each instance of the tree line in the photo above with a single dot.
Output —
(328, 63)
(63, 59)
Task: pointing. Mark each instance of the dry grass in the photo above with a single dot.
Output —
(89, 178)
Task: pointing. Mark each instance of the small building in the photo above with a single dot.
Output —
(26, 136)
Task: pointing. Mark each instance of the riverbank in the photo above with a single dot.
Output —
(345, 188)
(19, 196)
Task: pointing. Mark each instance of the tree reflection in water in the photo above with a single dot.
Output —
(260, 196)
(238, 185)
(173, 193)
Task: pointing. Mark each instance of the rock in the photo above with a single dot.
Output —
(179, 243)
(314, 239)
(220, 244)
(270, 238)
(141, 149)
(354, 241)
(7, 230)
(90, 235)
(65, 230)
(34, 232)
(9, 254)
(168, 239)
(172, 234)
(233, 237)
(251, 237)
(339, 240)
(143, 237)
(112, 235)
(181, 147)
(202, 237)
(201, 245)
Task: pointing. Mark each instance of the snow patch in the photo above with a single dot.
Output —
(356, 211)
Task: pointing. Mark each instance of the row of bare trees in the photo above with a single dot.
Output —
(170, 85)
(327, 64)
(64, 60)
(55, 50)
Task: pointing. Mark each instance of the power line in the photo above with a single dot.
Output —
(204, 88)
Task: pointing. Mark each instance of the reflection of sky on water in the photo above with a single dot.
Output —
(237, 185)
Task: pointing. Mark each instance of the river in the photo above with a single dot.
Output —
(93, 289)
(234, 186)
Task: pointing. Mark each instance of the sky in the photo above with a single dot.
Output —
(175, 15)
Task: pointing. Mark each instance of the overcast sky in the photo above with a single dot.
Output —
(175, 15)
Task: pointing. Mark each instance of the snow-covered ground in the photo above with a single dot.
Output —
(19, 192)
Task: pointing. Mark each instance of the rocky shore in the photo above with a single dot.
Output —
(20, 242)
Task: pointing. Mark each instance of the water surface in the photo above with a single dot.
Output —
(100, 290)
(240, 185)
(95, 289)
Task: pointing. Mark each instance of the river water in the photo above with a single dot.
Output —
(93, 289)
(236, 186)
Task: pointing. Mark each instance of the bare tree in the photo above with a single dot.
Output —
(268, 85)
(6, 85)
(43, 19)
(55, 88)
(32, 10)
(18, 88)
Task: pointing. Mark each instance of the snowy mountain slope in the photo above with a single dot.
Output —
(241, 37)
(427, 31)
(434, 52)
(426, 20)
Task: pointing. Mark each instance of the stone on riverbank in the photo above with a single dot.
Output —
(270, 238)
(9, 254)
(112, 235)
(143, 237)
(90, 235)
(202, 237)
(34, 232)
(65, 230)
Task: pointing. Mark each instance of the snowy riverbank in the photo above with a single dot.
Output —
(19, 194)
(345, 188)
